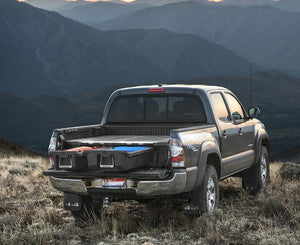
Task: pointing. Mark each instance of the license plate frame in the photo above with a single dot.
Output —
(119, 183)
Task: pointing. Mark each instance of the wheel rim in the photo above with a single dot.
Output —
(211, 195)
(263, 169)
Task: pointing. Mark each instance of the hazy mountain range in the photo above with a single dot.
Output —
(262, 31)
(289, 5)
(95, 13)
(262, 34)
(42, 52)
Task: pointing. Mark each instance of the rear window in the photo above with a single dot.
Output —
(145, 108)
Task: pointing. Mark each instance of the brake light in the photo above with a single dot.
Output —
(156, 90)
(177, 153)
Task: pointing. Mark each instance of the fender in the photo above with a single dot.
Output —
(260, 136)
(207, 148)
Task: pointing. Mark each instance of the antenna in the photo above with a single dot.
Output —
(251, 87)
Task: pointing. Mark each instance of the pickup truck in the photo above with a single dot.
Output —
(160, 141)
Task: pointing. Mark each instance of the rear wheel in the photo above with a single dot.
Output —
(90, 209)
(255, 179)
(205, 199)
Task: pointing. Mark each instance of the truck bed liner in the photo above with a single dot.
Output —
(121, 140)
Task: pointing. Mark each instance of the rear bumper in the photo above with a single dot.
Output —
(149, 188)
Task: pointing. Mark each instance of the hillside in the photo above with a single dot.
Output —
(30, 121)
(292, 155)
(95, 13)
(287, 5)
(180, 56)
(31, 212)
(55, 55)
(10, 149)
(264, 35)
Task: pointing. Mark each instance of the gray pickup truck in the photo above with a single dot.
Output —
(160, 141)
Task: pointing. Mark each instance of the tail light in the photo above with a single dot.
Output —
(53, 142)
(177, 153)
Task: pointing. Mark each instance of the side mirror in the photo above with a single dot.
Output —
(254, 112)
(236, 116)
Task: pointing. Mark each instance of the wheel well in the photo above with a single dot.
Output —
(266, 143)
(213, 159)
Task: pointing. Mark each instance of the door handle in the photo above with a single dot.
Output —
(240, 131)
(224, 134)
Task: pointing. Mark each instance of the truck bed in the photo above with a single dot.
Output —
(121, 140)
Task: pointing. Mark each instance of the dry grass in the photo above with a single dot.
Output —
(31, 212)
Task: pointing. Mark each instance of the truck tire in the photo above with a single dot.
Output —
(205, 199)
(255, 179)
(89, 209)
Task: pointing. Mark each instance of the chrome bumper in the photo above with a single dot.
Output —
(69, 185)
(175, 185)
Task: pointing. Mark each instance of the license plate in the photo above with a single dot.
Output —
(116, 183)
(72, 201)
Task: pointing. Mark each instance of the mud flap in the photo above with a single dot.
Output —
(72, 202)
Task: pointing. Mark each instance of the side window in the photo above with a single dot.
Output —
(235, 107)
(220, 108)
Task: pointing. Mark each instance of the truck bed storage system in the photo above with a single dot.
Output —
(115, 159)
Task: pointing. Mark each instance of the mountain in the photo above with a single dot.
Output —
(180, 56)
(264, 35)
(289, 156)
(47, 4)
(95, 13)
(44, 53)
(287, 5)
(29, 121)
(68, 5)
(10, 149)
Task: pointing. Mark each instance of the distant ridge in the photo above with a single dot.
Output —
(288, 156)
(97, 12)
(267, 36)
(8, 148)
